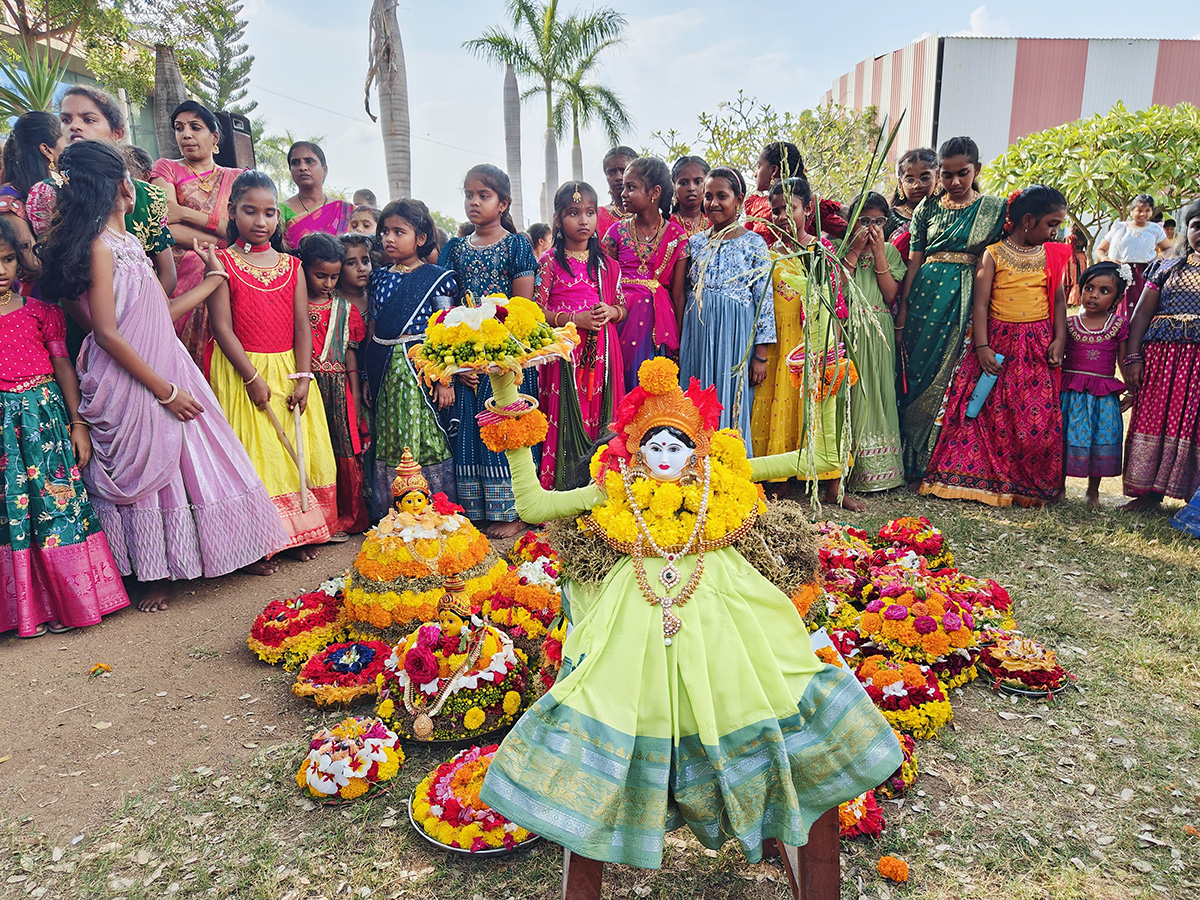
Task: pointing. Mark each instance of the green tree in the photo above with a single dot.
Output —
(449, 224)
(546, 48)
(836, 142)
(221, 83)
(588, 103)
(1102, 162)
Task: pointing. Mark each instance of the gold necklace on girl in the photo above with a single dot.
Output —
(650, 244)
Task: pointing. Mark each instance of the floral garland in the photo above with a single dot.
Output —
(490, 694)
(919, 535)
(293, 630)
(385, 605)
(342, 672)
(860, 816)
(1024, 663)
(908, 695)
(552, 652)
(905, 776)
(669, 508)
(447, 807)
(514, 432)
(417, 553)
(350, 760)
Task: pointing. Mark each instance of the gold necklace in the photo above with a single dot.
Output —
(404, 270)
(422, 726)
(650, 244)
(581, 255)
(1020, 260)
(206, 180)
(9, 296)
(947, 203)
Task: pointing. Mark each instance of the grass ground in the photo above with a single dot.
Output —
(1095, 795)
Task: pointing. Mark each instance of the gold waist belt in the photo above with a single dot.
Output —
(1180, 317)
(642, 282)
(964, 259)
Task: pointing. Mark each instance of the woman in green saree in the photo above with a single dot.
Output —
(949, 231)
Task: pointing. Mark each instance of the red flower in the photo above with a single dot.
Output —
(442, 504)
(420, 665)
(706, 402)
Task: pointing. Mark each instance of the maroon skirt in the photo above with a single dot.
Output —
(1162, 452)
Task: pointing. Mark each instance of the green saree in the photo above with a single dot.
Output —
(939, 308)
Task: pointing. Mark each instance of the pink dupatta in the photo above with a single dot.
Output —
(332, 218)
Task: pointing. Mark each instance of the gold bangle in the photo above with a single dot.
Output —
(253, 378)
(75, 422)
(530, 405)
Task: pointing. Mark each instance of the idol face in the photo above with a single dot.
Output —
(665, 455)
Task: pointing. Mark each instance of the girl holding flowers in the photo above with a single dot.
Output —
(576, 283)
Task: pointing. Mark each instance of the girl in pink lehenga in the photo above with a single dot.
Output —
(197, 209)
(577, 284)
(175, 490)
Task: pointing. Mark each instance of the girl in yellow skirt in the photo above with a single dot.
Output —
(260, 367)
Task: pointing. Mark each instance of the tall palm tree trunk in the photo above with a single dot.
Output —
(576, 147)
(551, 154)
(169, 92)
(386, 68)
(512, 141)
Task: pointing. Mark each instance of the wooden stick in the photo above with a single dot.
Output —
(283, 438)
(300, 459)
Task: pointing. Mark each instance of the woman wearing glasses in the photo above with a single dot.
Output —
(916, 177)
(876, 270)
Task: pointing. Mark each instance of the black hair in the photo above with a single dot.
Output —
(442, 237)
(416, 214)
(368, 196)
(319, 247)
(654, 173)
(496, 179)
(872, 200)
(248, 181)
(109, 108)
(619, 151)
(919, 155)
(539, 230)
(364, 208)
(676, 433)
(677, 168)
(562, 199)
(8, 234)
(1169, 221)
(1182, 247)
(136, 156)
(93, 171)
(8, 157)
(1099, 270)
(959, 146)
(29, 165)
(786, 157)
(794, 187)
(362, 240)
(465, 229)
(317, 151)
(1037, 200)
(733, 176)
(1147, 199)
(202, 112)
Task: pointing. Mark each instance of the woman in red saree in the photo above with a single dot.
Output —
(310, 211)
(197, 208)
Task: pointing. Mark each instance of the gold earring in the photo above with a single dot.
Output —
(216, 149)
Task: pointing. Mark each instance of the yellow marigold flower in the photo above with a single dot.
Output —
(474, 718)
(387, 708)
(354, 789)
(389, 767)
(512, 702)
(302, 775)
(659, 375)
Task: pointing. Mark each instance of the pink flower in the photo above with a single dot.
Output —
(952, 622)
(925, 625)
(897, 612)
(968, 619)
(875, 606)
(428, 637)
(420, 665)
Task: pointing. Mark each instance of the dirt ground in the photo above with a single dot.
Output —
(184, 692)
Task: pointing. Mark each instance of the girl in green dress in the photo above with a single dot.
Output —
(949, 231)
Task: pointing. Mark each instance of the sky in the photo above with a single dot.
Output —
(679, 59)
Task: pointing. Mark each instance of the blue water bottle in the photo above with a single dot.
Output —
(983, 387)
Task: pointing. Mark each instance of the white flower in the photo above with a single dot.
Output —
(334, 586)
(358, 765)
(327, 776)
(373, 751)
(471, 317)
(895, 689)
(436, 811)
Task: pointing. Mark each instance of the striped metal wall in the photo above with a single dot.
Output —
(998, 90)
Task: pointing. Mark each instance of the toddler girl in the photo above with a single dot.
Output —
(1091, 409)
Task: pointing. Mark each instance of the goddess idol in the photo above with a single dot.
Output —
(689, 693)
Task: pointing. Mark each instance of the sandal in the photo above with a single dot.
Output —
(339, 538)
(37, 632)
(58, 627)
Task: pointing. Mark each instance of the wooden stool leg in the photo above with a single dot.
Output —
(581, 877)
(820, 865)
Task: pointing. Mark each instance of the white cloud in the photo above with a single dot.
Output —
(983, 24)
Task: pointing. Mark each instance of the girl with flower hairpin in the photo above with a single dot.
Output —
(1012, 451)
(643, 731)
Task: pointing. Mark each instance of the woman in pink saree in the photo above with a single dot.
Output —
(197, 208)
(310, 210)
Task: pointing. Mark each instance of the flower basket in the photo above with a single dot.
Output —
(907, 694)
(355, 759)
(291, 631)
(342, 673)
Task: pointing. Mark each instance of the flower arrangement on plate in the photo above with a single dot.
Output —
(552, 652)
(290, 631)
(342, 673)
(355, 758)
(905, 776)
(860, 817)
(1025, 664)
(919, 535)
(456, 678)
(907, 694)
(446, 808)
(914, 621)
(527, 598)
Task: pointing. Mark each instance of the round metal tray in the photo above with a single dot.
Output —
(490, 853)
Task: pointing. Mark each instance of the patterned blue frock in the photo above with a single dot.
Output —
(484, 482)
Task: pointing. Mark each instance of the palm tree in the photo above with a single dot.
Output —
(589, 103)
(512, 140)
(546, 48)
(385, 68)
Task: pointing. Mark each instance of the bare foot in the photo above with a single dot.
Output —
(1091, 498)
(262, 567)
(155, 598)
(501, 530)
(304, 554)
(1148, 503)
(915, 486)
(852, 503)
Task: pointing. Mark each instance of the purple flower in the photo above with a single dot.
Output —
(875, 606)
(897, 612)
(429, 636)
(952, 622)
(925, 625)
(968, 619)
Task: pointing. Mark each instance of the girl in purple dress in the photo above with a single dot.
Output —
(1091, 407)
(175, 490)
(577, 284)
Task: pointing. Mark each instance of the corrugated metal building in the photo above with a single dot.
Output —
(998, 90)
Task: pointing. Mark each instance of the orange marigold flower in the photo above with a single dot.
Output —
(659, 375)
(907, 634)
(892, 630)
(936, 644)
(893, 868)
(920, 608)
(884, 677)
(936, 606)
(804, 597)
(870, 622)
(912, 675)
(963, 638)
(871, 665)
